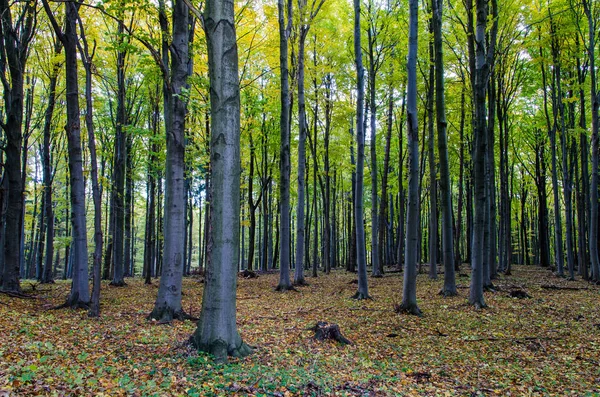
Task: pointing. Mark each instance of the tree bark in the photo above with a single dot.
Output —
(363, 287)
(449, 288)
(168, 302)
(409, 293)
(217, 329)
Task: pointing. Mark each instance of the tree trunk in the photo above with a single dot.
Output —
(302, 129)
(479, 153)
(433, 219)
(595, 99)
(449, 288)
(14, 46)
(168, 302)
(409, 293)
(217, 330)
(363, 287)
(376, 262)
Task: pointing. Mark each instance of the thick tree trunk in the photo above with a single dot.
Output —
(168, 302)
(217, 329)
(479, 153)
(119, 166)
(14, 47)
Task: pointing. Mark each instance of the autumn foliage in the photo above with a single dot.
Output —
(546, 344)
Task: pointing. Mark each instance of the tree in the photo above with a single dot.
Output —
(361, 258)
(217, 329)
(306, 18)
(14, 51)
(168, 302)
(595, 98)
(409, 292)
(47, 276)
(80, 291)
(87, 58)
(482, 70)
(449, 288)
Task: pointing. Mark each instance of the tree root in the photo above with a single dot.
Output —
(448, 292)
(300, 283)
(19, 295)
(166, 315)
(284, 288)
(558, 287)
(360, 296)
(221, 350)
(412, 309)
(121, 283)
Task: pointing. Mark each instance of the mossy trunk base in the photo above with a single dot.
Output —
(221, 350)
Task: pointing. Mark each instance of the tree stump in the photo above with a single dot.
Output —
(248, 274)
(520, 294)
(329, 331)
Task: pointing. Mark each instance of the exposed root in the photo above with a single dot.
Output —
(19, 295)
(221, 350)
(412, 309)
(300, 283)
(284, 288)
(121, 283)
(479, 305)
(448, 292)
(360, 296)
(166, 315)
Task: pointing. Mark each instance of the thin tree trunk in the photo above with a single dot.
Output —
(449, 288)
(409, 293)
(363, 287)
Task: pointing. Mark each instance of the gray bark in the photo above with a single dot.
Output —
(595, 98)
(479, 153)
(80, 293)
(217, 331)
(168, 302)
(361, 260)
(13, 57)
(47, 276)
(409, 293)
(376, 261)
(94, 310)
(449, 288)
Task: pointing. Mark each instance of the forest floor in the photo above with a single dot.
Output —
(545, 345)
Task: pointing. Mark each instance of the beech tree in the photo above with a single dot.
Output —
(409, 291)
(17, 33)
(80, 291)
(217, 329)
